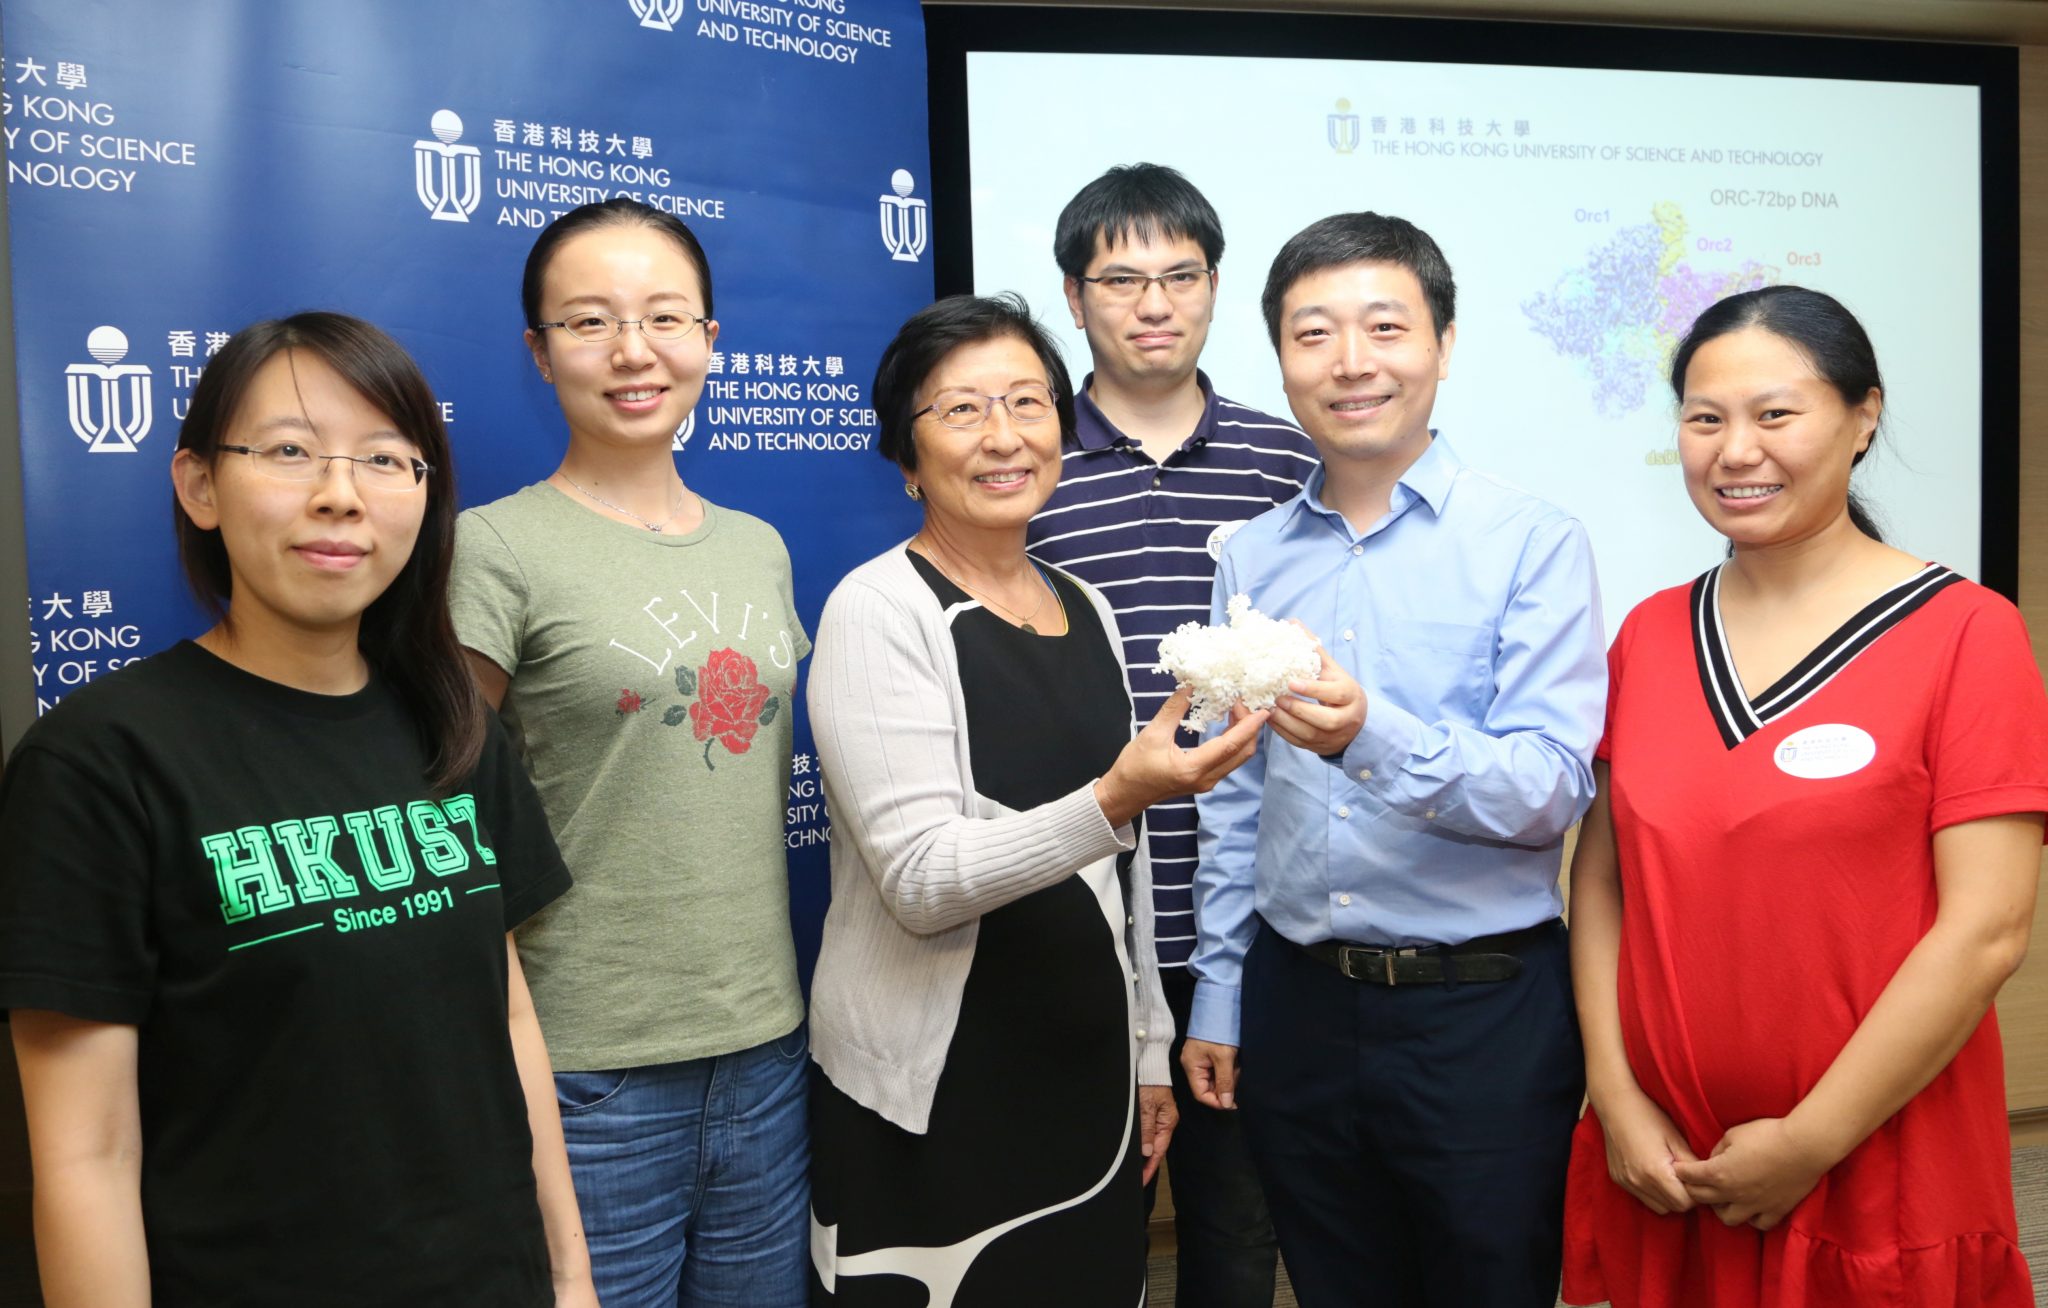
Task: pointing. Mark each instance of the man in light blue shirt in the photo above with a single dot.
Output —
(1377, 908)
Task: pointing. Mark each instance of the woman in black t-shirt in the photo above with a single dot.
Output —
(274, 1042)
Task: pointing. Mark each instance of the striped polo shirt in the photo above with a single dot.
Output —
(1147, 535)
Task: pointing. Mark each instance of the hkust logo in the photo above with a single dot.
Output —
(1342, 127)
(661, 15)
(906, 226)
(685, 431)
(448, 177)
(109, 399)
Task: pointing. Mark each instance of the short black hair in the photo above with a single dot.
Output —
(619, 211)
(1818, 326)
(934, 332)
(1348, 238)
(1135, 202)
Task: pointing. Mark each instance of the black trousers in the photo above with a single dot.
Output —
(1412, 1140)
(1225, 1251)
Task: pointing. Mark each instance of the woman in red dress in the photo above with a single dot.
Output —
(1791, 908)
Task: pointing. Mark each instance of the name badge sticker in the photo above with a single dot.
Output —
(1224, 531)
(1834, 749)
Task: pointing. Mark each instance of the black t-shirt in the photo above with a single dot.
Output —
(313, 950)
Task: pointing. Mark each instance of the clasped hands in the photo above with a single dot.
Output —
(1757, 1173)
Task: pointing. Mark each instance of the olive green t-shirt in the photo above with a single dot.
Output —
(651, 685)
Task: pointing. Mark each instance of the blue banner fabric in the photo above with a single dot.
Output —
(175, 172)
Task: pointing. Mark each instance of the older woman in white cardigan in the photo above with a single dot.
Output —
(991, 1086)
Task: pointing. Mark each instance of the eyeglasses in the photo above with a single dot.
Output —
(290, 461)
(966, 409)
(1180, 283)
(668, 325)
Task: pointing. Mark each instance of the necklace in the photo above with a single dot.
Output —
(591, 495)
(1023, 619)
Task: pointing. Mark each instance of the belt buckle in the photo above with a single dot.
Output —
(1383, 957)
(1345, 953)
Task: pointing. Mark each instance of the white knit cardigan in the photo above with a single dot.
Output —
(918, 855)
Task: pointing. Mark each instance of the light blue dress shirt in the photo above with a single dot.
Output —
(1471, 617)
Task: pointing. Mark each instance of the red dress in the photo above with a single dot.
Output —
(1776, 858)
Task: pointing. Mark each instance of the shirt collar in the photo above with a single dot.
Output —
(1094, 431)
(1428, 479)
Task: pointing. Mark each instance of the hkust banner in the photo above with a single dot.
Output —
(395, 159)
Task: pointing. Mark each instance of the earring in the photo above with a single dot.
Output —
(910, 489)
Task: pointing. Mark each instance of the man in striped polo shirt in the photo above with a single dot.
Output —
(1163, 472)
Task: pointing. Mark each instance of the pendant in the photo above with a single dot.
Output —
(1028, 629)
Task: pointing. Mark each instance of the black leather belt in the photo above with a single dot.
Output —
(1483, 958)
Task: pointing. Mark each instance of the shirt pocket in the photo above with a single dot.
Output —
(1437, 670)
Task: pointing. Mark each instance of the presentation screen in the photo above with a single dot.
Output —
(1589, 214)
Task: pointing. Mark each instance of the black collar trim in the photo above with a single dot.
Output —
(1739, 717)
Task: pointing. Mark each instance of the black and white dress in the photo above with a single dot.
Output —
(1024, 1191)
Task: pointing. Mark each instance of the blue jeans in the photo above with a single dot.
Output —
(694, 1178)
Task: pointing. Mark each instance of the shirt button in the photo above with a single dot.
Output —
(1365, 774)
(1131, 920)
(1156, 480)
(1344, 900)
(1141, 1033)
(1344, 811)
(1358, 549)
(1430, 814)
(1347, 633)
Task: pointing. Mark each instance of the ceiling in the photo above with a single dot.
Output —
(2005, 22)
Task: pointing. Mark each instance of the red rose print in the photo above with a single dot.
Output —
(729, 700)
(628, 703)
